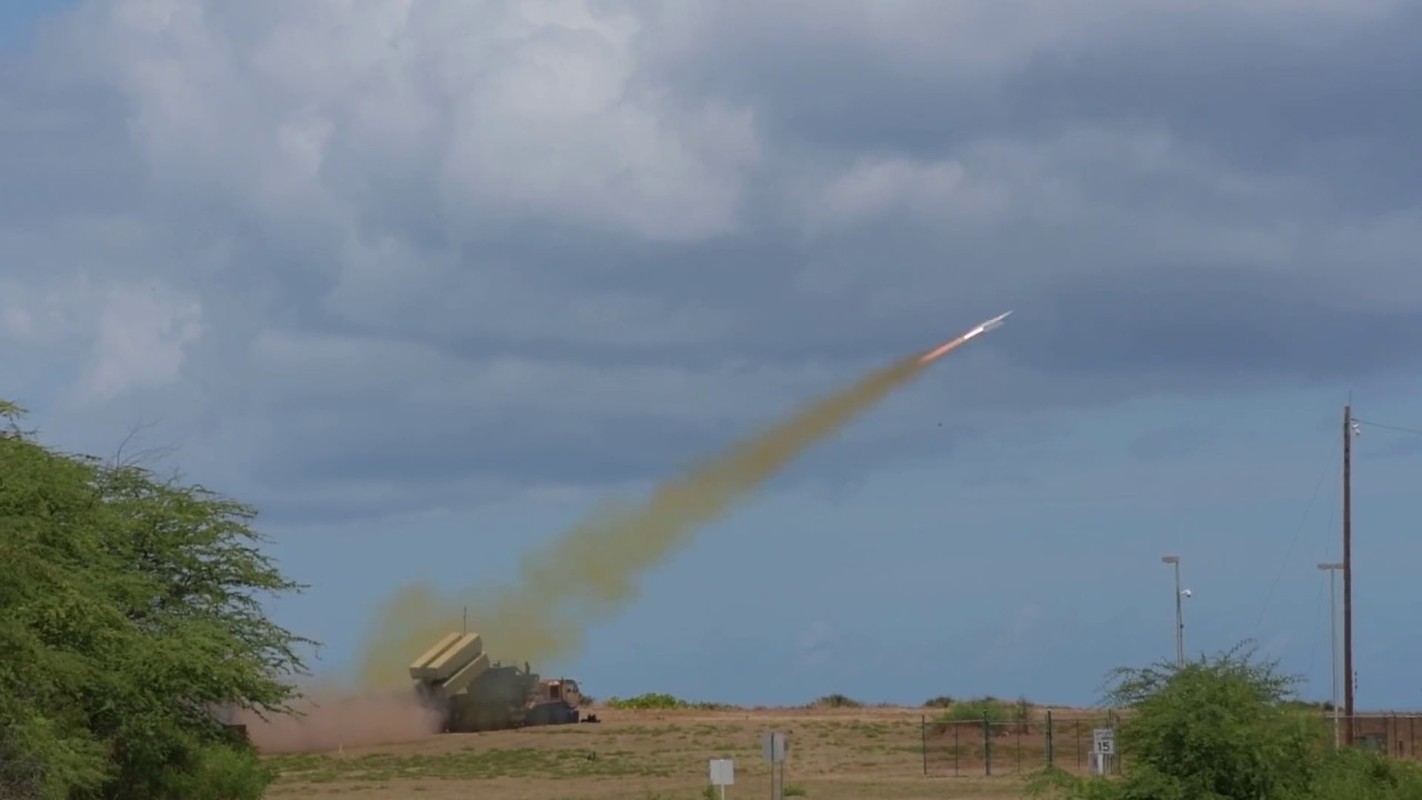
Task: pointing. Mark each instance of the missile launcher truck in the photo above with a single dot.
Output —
(476, 694)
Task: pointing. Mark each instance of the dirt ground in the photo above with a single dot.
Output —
(835, 754)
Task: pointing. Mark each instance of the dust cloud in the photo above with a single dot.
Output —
(333, 719)
(592, 571)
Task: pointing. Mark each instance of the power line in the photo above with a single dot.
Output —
(1398, 428)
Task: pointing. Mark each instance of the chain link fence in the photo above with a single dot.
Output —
(1397, 735)
(987, 747)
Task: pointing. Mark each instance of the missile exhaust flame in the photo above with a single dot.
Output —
(591, 572)
(948, 346)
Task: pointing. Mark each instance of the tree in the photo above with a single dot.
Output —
(130, 609)
(1229, 728)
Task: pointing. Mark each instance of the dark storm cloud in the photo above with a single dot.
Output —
(1332, 108)
(467, 247)
(1210, 321)
(1269, 90)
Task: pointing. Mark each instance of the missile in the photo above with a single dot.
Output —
(977, 330)
(995, 322)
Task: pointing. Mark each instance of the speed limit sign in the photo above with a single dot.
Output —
(1103, 741)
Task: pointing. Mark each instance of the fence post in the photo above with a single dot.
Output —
(1019, 747)
(923, 740)
(987, 744)
(957, 750)
(1116, 753)
(1049, 737)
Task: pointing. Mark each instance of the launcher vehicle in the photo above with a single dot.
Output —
(476, 694)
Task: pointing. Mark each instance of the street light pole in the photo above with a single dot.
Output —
(1332, 570)
(1179, 612)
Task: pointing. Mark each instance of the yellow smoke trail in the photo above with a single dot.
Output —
(592, 570)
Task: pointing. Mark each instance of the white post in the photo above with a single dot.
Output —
(1332, 570)
(1179, 613)
(1179, 619)
(1333, 642)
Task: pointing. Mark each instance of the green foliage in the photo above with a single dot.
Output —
(218, 772)
(1228, 727)
(660, 701)
(837, 701)
(130, 608)
(648, 702)
(1217, 727)
(940, 701)
(1354, 774)
(997, 712)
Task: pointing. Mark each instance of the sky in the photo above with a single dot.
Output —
(426, 281)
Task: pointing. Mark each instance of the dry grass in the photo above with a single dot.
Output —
(835, 754)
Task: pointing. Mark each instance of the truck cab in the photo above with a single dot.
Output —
(565, 689)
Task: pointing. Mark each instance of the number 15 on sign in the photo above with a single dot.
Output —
(1104, 741)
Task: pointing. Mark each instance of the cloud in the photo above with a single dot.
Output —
(138, 336)
(490, 246)
(504, 113)
(141, 339)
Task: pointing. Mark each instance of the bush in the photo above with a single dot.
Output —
(649, 701)
(1354, 774)
(219, 772)
(940, 701)
(995, 711)
(1227, 727)
(660, 701)
(131, 609)
(836, 701)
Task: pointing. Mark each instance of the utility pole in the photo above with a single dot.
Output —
(1179, 612)
(1332, 570)
(1348, 432)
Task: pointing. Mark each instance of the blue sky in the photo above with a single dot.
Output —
(19, 19)
(426, 283)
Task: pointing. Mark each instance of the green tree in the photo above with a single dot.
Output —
(1229, 728)
(1218, 727)
(130, 610)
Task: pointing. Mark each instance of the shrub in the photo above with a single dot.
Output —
(660, 701)
(1226, 727)
(219, 772)
(940, 701)
(649, 701)
(995, 711)
(836, 701)
(131, 608)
